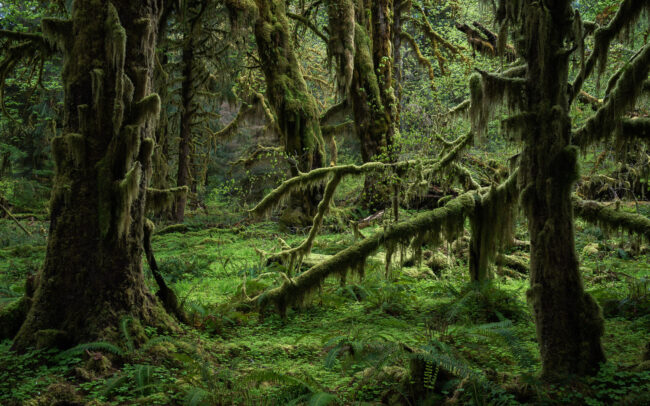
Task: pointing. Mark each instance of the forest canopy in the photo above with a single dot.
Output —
(312, 202)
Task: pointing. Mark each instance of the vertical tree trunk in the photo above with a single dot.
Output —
(187, 102)
(569, 323)
(92, 274)
(294, 106)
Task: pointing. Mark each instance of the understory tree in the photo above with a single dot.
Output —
(92, 275)
(296, 113)
(539, 94)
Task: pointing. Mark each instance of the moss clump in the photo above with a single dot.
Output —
(13, 316)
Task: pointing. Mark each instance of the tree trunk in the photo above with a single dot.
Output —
(294, 106)
(569, 323)
(187, 112)
(92, 276)
(374, 104)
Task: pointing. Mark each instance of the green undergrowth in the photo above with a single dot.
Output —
(352, 344)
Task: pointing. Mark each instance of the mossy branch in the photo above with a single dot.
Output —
(622, 97)
(230, 129)
(635, 129)
(159, 200)
(627, 14)
(599, 214)
(418, 54)
(305, 21)
(320, 175)
(446, 221)
(14, 219)
(296, 255)
(488, 90)
(259, 152)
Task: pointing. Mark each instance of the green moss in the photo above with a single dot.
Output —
(57, 32)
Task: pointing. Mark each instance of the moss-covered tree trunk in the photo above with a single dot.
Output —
(295, 108)
(374, 104)
(183, 176)
(568, 320)
(92, 274)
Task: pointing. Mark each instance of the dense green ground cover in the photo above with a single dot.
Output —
(347, 345)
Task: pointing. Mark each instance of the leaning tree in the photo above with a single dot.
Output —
(92, 275)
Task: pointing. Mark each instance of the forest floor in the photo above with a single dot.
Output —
(352, 344)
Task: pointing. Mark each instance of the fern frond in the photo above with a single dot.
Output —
(322, 399)
(96, 346)
(195, 397)
(112, 384)
(124, 326)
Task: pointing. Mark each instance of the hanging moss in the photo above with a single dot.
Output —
(492, 225)
(341, 45)
(159, 200)
(621, 98)
(487, 91)
(318, 176)
(626, 16)
(611, 219)
(128, 191)
(116, 40)
(57, 32)
(447, 221)
(145, 109)
(634, 129)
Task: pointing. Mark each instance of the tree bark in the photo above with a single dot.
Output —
(92, 276)
(374, 104)
(295, 107)
(183, 177)
(568, 320)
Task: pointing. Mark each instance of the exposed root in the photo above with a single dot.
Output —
(165, 294)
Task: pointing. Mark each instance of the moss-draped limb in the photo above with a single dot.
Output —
(635, 129)
(307, 23)
(18, 47)
(627, 14)
(430, 226)
(14, 219)
(488, 90)
(318, 176)
(258, 153)
(231, 128)
(597, 213)
(460, 108)
(332, 113)
(294, 256)
(433, 36)
(621, 98)
(492, 225)
(159, 200)
(418, 54)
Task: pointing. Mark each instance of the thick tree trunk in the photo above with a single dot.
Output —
(92, 276)
(294, 106)
(374, 104)
(569, 323)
